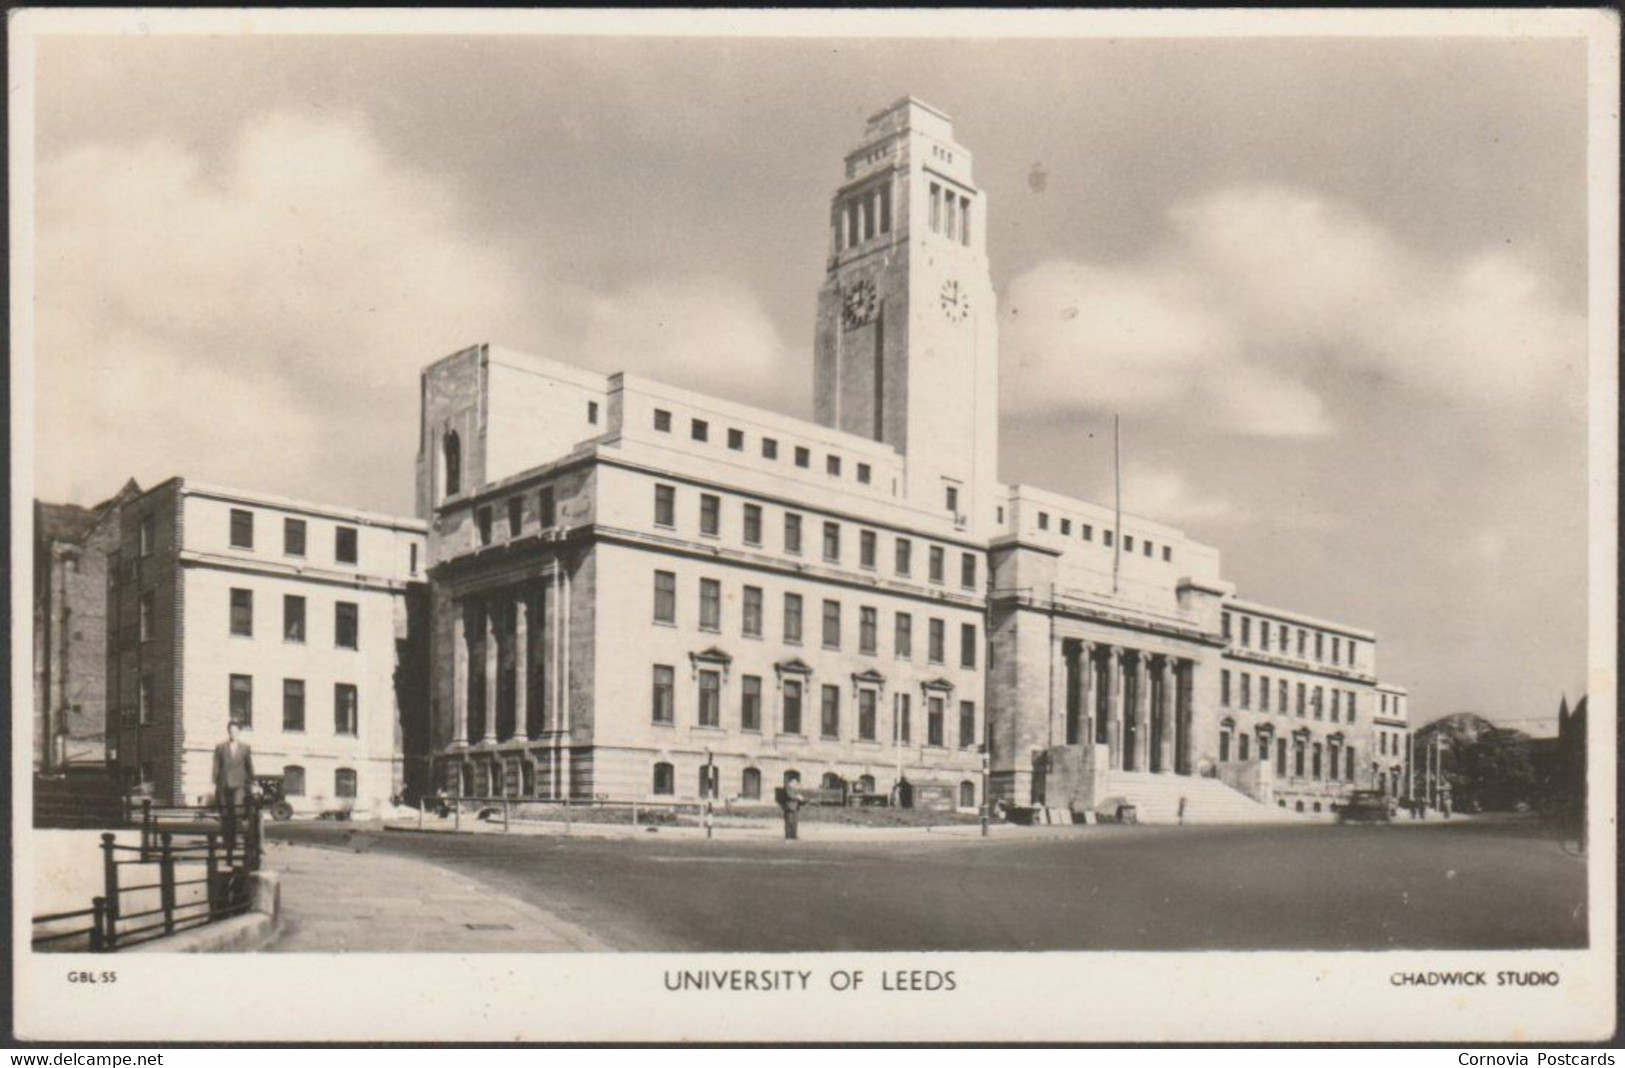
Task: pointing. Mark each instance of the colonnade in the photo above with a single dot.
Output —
(1134, 701)
(509, 651)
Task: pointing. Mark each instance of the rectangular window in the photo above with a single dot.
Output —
(482, 517)
(904, 638)
(242, 700)
(792, 533)
(803, 456)
(832, 624)
(710, 699)
(832, 542)
(829, 720)
(665, 597)
(1128, 543)
(750, 702)
(1088, 532)
(792, 618)
(1246, 632)
(516, 516)
(792, 706)
(1337, 650)
(936, 208)
(1337, 705)
(144, 699)
(1043, 520)
(967, 724)
(1246, 690)
(592, 412)
(663, 420)
(1263, 693)
(1167, 554)
(951, 500)
(346, 709)
(242, 613)
(1303, 699)
(935, 640)
(1225, 623)
(1224, 687)
(1320, 645)
(1351, 706)
(293, 537)
(905, 553)
(661, 703)
(710, 604)
(770, 449)
(146, 627)
(868, 630)
(1106, 538)
(346, 625)
(753, 524)
(665, 505)
(1148, 548)
(1264, 634)
(293, 618)
(1303, 638)
(293, 704)
(964, 220)
(736, 439)
(1319, 702)
(710, 514)
(937, 565)
(967, 645)
(903, 727)
(149, 534)
(832, 466)
(967, 571)
(699, 429)
(1284, 690)
(1066, 528)
(547, 512)
(864, 474)
(933, 721)
(866, 715)
(344, 545)
(866, 549)
(242, 529)
(751, 626)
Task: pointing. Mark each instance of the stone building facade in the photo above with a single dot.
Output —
(302, 622)
(639, 591)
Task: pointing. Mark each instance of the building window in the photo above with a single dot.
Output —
(736, 439)
(1246, 632)
(293, 704)
(951, 500)
(1148, 548)
(344, 545)
(1246, 690)
(344, 783)
(346, 625)
(903, 727)
(1087, 531)
(699, 430)
(242, 613)
(750, 785)
(1263, 693)
(482, 518)
(1348, 764)
(241, 703)
(832, 624)
(1043, 520)
(547, 513)
(866, 715)
(1337, 705)
(665, 505)
(710, 699)
(665, 780)
(662, 421)
(665, 597)
(905, 553)
(832, 542)
(242, 529)
(1224, 687)
(829, 720)
(710, 605)
(803, 456)
(1225, 622)
(933, 721)
(662, 703)
(903, 637)
(750, 702)
(1167, 554)
(751, 624)
(967, 724)
(864, 474)
(753, 524)
(1319, 703)
(293, 537)
(1320, 645)
(1337, 650)
(148, 534)
(792, 618)
(1351, 706)
(293, 781)
(1303, 699)
(293, 618)
(1317, 761)
(145, 624)
(1284, 690)
(710, 514)
(868, 630)
(866, 549)
(1128, 543)
(967, 645)
(1106, 538)
(935, 641)
(792, 706)
(967, 571)
(346, 709)
(936, 564)
(770, 449)
(1066, 528)
(792, 533)
(516, 516)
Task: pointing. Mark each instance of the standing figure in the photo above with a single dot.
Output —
(233, 774)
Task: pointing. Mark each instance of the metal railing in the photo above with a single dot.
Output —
(200, 820)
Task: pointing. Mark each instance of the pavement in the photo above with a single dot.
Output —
(339, 896)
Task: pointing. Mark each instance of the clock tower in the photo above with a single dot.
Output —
(906, 350)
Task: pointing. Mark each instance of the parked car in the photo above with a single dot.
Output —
(1365, 806)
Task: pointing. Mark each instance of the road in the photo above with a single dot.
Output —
(1463, 884)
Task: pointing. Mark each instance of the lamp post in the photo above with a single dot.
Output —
(710, 786)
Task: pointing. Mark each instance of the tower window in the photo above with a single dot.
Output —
(851, 223)
(885, 209)
(868, 218)
(936, 208)
(949, 229)
(951, 499)
(964, 221)
(663, 420)
(451, 449)
(592, 412)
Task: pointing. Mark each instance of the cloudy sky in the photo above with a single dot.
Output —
(1336, 287)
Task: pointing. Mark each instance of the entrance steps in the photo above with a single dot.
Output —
(1156, 800)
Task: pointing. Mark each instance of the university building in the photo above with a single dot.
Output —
(639, 591)
(301, 622)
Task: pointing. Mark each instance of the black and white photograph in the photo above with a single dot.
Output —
(815, 526)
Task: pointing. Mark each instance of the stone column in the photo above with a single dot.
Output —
(1165, 715)
(1086, 693)
(1182, 716)
(1058, 671)
(1142, 712)
(1114, 704)
(521, 664)
(490, 668)
(459, 674)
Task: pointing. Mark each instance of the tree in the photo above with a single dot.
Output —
(1492, 771)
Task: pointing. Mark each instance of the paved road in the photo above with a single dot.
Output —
(1481, 885)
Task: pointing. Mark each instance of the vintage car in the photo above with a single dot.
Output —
(1365, 806)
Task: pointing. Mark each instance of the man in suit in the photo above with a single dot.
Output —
(233, 774)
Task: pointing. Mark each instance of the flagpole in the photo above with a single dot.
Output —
(1117, 486)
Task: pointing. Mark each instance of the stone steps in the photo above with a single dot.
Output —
(1156, 800)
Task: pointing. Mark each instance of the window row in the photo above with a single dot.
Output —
(950, 214)
(293, 781)
(863, 216)
(752, 621)
(1310, 699)
(832, 538)
(346, 619)
(546, 515)
(1086, 531)
(294, 536)
(792, 695)
(346, 704)
(700, 430)
(1239, 628)
(1390, 743)
(1304, 760)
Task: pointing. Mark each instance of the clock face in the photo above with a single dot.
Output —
(858, 304)
(955, 301)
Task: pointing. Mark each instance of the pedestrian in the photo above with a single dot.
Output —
(1182, 809)
(233, 774)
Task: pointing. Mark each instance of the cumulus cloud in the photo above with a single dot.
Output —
(1255, 299)
(1168, 496)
